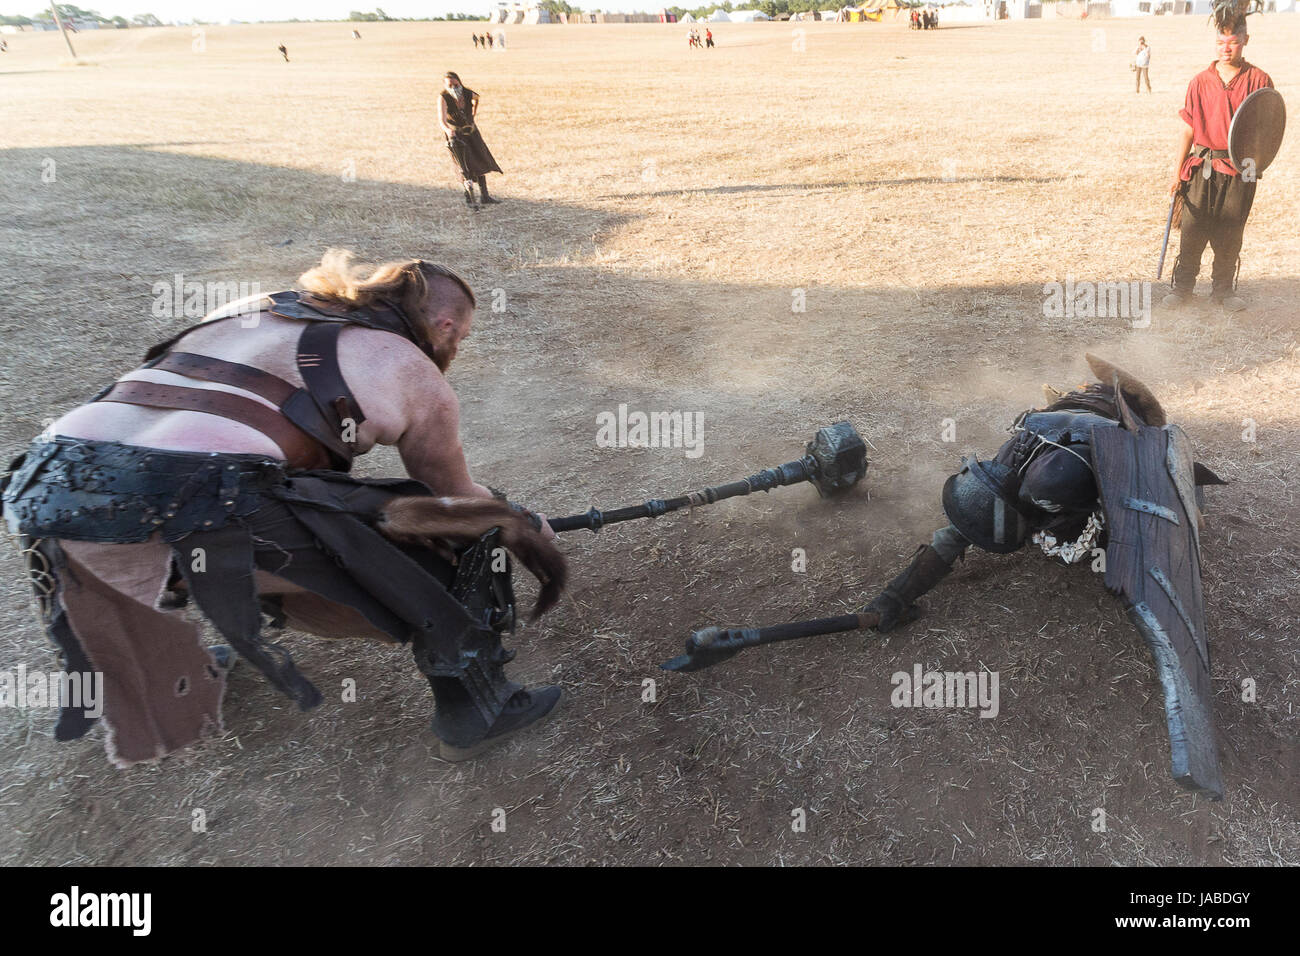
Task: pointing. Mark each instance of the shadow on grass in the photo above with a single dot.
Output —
(117, 219)
(842, 184)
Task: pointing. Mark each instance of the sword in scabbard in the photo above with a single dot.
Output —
(713, 645)
(835, 460)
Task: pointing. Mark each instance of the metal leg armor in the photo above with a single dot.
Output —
(896, 603)
(467, 675)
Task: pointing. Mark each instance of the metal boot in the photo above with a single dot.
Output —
(896, 603)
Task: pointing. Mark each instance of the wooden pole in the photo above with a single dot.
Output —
(62, 29)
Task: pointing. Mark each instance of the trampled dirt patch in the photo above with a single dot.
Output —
(663, 211)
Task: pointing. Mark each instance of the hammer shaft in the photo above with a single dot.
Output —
(813, 628)
(714, 645)
(792, 472)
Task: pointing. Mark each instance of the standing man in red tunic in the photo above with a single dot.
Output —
(1216, 198)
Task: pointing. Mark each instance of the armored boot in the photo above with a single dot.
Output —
(524, 708)
(476, 705)
(896, 603)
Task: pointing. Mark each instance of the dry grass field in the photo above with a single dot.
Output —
(662, 208)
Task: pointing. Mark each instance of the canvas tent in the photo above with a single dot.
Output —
(873, 10)
(687, 19)
(719, 16)
(881, 8)
(747, 16)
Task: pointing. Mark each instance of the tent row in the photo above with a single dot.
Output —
(869, 10)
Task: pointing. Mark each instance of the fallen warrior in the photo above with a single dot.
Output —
(1098, 468)
(216, 475)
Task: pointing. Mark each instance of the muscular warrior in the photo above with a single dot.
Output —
(1216, 199)
(457, 108)
(216, 475)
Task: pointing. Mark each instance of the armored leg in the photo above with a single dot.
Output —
(469, 684)
(930, 564)
(476, 704)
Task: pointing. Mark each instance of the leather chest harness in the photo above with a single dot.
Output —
(310, 424)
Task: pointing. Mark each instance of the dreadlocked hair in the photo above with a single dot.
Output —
(1229, 16)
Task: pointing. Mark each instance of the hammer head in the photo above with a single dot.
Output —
(840, 458)
(706, 647)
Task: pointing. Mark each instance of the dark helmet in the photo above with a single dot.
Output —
(980, 501)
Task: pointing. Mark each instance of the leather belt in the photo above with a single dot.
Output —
(299, 450)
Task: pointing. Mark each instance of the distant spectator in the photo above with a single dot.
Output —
(1142, 64)
(283, 52)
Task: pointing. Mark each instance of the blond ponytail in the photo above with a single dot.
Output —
(407, 284)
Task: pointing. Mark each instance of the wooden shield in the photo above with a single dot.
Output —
(1153, 562)
(1256, 131)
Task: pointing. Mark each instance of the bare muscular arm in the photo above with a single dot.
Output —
(430, 445)
(411, 406)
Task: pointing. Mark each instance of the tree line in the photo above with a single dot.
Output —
(68, 11)
(71, 12)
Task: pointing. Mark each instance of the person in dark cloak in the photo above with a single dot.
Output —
(457, 109)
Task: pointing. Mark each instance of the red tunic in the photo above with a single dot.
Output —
(1209, 108)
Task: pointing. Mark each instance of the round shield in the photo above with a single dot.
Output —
(1256, 132)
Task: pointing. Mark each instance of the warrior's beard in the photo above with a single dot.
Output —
(442, 357)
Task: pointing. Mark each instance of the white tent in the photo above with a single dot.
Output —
(748, 16)
(687, 19)
(719, 16)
